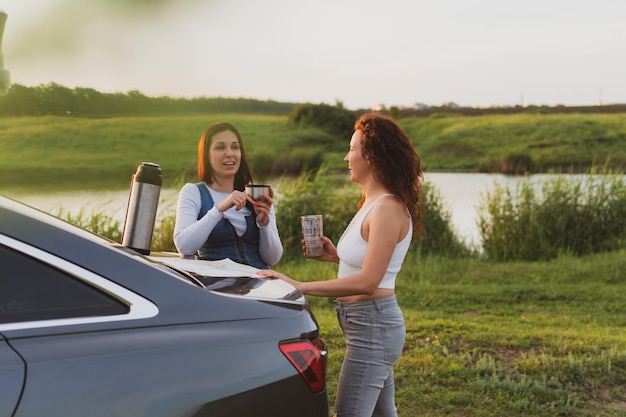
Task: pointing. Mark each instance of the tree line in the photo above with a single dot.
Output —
(55, 99)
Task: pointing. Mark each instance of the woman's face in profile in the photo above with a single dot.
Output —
(358, 166)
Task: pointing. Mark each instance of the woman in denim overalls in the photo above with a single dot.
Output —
(383, 161)
(215, 219)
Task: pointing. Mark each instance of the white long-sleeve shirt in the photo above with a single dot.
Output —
(191, 233)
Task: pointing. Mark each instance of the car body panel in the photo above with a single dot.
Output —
(78, 365)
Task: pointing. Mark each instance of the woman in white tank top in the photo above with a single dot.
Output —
(383, 161)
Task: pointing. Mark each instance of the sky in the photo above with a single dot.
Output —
(360, 53)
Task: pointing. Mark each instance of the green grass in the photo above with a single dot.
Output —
(67, 151)
(488, 338)
(72, 151)
(502, 339)
(556, 141)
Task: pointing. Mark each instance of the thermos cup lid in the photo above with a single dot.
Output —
(149, 172)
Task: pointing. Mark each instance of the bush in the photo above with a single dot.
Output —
(314, 193)
(333, 119)
(270, 164)
(516, 164)
(577, 216)
(438, 237)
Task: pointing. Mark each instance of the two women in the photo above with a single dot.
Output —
(215, 218)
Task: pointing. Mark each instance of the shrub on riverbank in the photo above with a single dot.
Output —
(438, 237)
(333, 119)
(575, 215)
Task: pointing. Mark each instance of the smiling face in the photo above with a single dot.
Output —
(225, 155)
(358, 166)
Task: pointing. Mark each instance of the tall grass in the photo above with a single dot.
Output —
(577, 215)
(438, 236)
(97, 222)
(319, 192)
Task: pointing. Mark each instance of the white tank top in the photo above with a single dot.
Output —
(352, 247)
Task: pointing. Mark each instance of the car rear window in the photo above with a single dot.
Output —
(32, 290)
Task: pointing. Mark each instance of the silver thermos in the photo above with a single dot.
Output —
(143, 200)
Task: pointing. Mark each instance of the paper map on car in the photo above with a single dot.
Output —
(222, 268)
(226, 275)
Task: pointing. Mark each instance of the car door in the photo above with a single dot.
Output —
(11, 378)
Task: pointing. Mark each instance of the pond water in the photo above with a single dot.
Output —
(461, 194)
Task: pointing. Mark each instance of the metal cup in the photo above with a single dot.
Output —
(313, 230)
(258, 191)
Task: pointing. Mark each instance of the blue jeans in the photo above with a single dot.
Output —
(374, 332)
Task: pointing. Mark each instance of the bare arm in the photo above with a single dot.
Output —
(383, 228)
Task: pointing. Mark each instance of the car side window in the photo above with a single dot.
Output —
(32, 290)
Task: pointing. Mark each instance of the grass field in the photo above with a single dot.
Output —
(546, 141)
(65, 151)
(484, 339)
(507, 339)
(53, 149)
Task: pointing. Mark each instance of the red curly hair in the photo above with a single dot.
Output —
(393, 160)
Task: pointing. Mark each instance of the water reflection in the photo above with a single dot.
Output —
(111, 202)
(462, 194)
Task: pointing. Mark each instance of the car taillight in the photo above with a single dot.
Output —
(310, 358)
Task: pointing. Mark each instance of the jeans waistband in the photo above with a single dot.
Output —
(377, 303)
